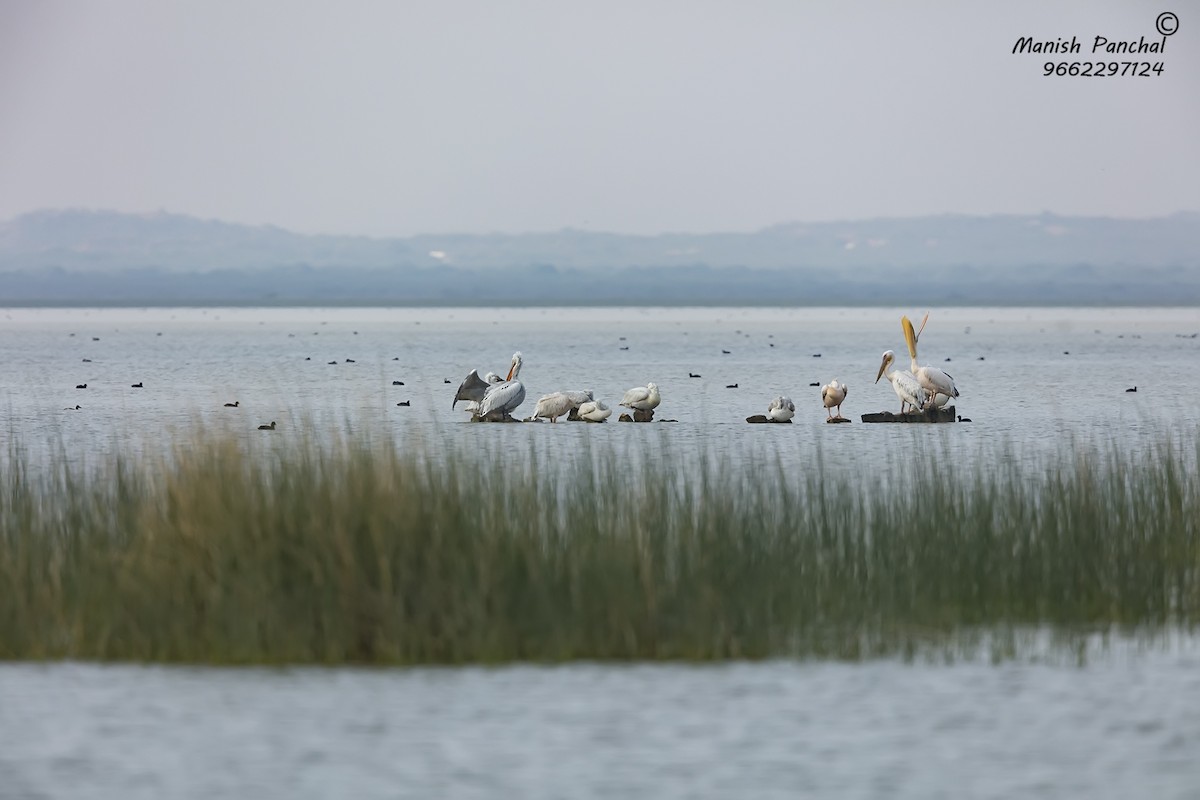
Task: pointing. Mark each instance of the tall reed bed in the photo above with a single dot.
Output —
(400, 552)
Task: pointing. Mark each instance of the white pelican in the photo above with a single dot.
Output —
(473, 388)
(781, 409)
(933, 380)
(833, 394)
(579, 396)
(594, 411)
(552, 406)
(642, 398)
(476, 388)
(906, 386)
(505, 396)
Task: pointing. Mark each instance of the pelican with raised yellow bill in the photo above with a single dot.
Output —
(933, 380)
(907, 388)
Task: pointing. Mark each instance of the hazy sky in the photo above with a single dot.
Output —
(394, 118)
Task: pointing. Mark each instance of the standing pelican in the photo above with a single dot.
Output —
(552, 406)
(781, 409)
(833, 394)
(506, 396)
(594, 411)
(905, 385)
(933, 380)
(642, 398)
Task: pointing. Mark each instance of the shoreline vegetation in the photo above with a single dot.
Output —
(355, 552)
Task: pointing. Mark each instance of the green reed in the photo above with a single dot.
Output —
(399, 552)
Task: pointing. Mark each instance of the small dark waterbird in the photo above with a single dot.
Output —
(270, 427)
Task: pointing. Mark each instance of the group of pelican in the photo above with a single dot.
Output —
(922, 388)
(492, 398)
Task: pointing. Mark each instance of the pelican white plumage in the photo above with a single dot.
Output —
(907, 388)
(833, 394)
(506, 396)
(552, 406)
(642, 398)
(579, 396)
(933, 380)
(594, 411)
(781, 409)
(473, 389)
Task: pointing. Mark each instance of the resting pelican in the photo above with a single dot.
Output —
(906, 386)
(642, 398)
(933, 380)
(552, 406)
(833, 394)
(781, 409)
(594, 411)
(505, 396)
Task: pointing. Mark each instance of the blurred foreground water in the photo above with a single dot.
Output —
(1124, 724)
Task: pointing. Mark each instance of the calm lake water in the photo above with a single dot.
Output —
(1032, 380)
(1035, 382)
(1124, 725)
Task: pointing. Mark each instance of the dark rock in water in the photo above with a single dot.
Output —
(496, 416)
(624, 418)
(932, 415)
(760, 418)
(836, 419)
(638, 416)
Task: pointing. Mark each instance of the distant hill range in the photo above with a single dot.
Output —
(75, 257)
